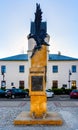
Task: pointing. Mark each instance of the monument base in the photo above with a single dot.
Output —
(51, 118)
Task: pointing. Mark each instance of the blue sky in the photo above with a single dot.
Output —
(62, 25)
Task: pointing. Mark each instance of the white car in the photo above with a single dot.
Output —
(49, 93)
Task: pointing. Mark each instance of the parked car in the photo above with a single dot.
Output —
(2, 93)
(74, 93)
(15, 92)
(49, 93)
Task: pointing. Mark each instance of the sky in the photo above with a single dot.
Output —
(62, 25)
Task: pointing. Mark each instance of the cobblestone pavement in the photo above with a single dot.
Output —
(10, 109)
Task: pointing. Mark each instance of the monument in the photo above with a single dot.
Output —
(38, 56)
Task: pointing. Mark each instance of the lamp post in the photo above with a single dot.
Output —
(69, 78)
(3, 75)
(3, 80)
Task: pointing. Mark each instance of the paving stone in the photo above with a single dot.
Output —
(10, 109)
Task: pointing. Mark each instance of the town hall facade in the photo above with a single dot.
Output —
(62, 71)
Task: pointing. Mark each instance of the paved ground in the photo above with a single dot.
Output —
(10, 109)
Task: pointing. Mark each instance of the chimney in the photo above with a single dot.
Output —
(59, 53)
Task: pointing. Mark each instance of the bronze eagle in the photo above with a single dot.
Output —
(40, 33)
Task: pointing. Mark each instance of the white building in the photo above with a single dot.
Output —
(62, 71)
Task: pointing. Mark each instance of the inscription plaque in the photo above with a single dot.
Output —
(37, 83)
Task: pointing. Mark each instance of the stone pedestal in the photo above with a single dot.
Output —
(38, 101)
(25, 118)
(40, 58)
(37, 83)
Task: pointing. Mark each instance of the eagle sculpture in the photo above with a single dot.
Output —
(40, 33)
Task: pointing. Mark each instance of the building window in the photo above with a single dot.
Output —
(55, 69)
(21, 84)
(73, 84)
(73, 68)
(55, 84)
(21, 68)
(3, 69)
(64, 86)
(12, 85)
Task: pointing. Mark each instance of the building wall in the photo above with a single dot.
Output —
(63, 73)
(12, 73)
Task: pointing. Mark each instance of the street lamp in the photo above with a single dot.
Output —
(69, 78)
(3, 80)
(3, 75)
